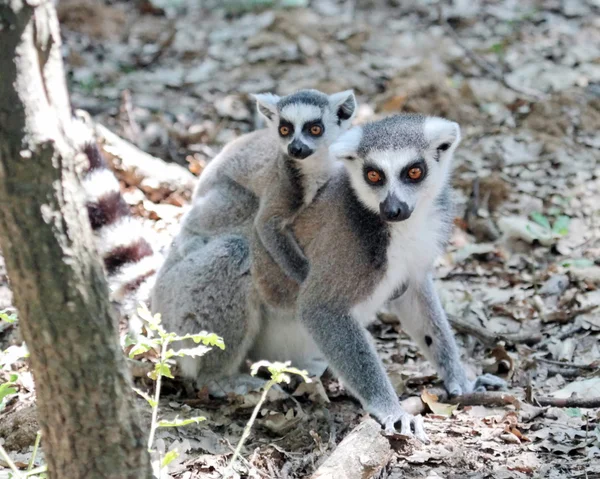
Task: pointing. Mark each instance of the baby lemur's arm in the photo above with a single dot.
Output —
(272, 227)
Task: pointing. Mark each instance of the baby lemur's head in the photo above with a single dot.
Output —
(399, 165)
(307, 121)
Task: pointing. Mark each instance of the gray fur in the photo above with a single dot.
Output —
(357, 262)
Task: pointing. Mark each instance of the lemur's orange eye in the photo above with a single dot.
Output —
(415, 173)
(284, 130)
(315, 130)
(373, 176)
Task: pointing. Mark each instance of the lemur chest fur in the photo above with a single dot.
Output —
(412, 249)
(305, 179)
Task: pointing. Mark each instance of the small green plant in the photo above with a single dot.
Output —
(280, 373)
(38, 472)
(159, 339)
(8, 389)
(7, 316)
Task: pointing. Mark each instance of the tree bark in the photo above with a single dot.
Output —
(85, 403)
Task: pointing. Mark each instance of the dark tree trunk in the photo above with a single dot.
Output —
(85, 404)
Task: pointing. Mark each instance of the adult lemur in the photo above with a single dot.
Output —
(372, 233)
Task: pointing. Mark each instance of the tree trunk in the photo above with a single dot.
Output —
(85, 403)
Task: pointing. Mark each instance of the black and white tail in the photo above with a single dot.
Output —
(129, 260)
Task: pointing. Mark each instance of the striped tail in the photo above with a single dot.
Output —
(129, 259)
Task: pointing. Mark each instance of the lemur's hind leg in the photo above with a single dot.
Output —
(210, 289)
(423, 318)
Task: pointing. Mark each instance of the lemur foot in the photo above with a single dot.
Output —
(488, 381)
(410, 426)
(480, 384)
(240, 385)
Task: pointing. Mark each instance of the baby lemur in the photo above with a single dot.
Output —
(301, 126)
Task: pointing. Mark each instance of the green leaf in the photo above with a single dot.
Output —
(541, 220)
(147, 397)
(561, 226)
(181, 422)
(278, 371)
(7, 317)
(169, 457)
(140, 348)
(577, 263)
(161, 369)
(208, 339)
(573, 412)
(190, 352)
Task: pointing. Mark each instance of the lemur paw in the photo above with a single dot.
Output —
(488, 381)
(480, 384)
(410, 426)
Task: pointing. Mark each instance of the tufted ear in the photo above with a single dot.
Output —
(346, 146)
(344, 106)
(267, 104)
(442, 135)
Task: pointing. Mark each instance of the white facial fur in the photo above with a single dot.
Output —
(392, 162)
(299, 113)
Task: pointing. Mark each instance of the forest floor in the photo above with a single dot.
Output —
(521, 276)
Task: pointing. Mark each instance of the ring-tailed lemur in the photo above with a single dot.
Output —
(373, 232)
(303, 125)
(129, 259)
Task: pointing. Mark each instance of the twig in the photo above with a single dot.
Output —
(250, 422)
(492, 338)
(414, 405)
(36, 445)
(485, 65)
(566, 316)
(488, 398)
(566, 364)
(568, 402)
(153, 424)
(11, 464)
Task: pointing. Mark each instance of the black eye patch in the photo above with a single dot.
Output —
(313, 128)
(373, 175)
(285, 128)
(409, 172)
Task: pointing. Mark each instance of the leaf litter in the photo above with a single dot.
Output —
(521, 275)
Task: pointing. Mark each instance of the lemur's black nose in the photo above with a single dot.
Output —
(298, 150)
(393, 209)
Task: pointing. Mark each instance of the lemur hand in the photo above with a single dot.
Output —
(401, 422)
(480, 384)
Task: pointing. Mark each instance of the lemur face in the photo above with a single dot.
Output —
(307, 121)
(399, 163)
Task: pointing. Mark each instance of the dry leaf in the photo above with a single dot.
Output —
(436, 407)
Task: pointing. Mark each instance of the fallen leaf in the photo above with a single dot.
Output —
(436, 407)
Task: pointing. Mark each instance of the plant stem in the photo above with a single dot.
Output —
(36, 471)
(38, 438)
(11, 464)
(246, 432)
(163, 352)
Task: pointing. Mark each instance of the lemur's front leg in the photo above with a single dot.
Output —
(423, 318)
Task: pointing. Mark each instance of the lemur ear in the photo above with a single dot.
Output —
(344, 105)
(346, 146)
(267, 104)
(442, 135)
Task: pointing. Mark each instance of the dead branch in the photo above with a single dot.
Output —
(361, 455)
(566, 364)
(590, 403)
(487, 67)
(490, 338)
(149, 173)
(415, 405)
(566, 316)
